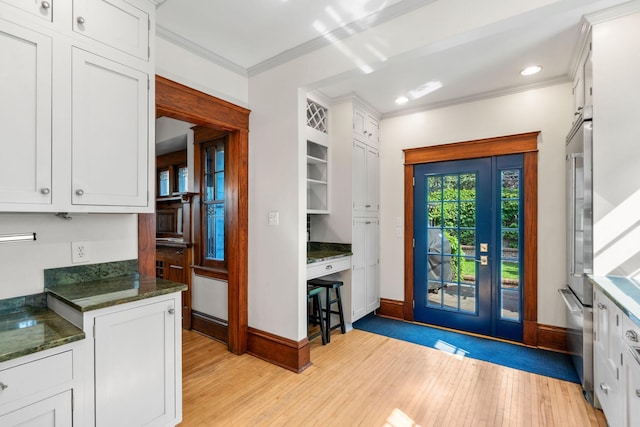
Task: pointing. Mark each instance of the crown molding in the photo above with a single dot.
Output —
(478, 97)
(199, 50)
(613, 12)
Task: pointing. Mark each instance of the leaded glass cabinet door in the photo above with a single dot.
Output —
(467, 230)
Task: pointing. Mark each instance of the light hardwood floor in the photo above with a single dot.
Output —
(363, 379)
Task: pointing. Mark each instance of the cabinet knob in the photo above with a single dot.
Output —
(604, 388)
(45, 5)
(631, 335)
(80, 192)
(171, 310)
(601, 306)
(638, 392)
(80, 20)
(45, 191)
(329, 267)
(3, 386)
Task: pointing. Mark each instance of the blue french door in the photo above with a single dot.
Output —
(468, 227)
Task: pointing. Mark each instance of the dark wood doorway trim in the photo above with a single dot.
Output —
(526, 144)
(183, 103)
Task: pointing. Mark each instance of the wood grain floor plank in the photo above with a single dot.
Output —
(363, 379)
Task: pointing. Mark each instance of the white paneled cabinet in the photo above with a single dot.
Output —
(365, 283)
(54, 411)
(607, 356)
(76, 121)
(109, 145)
(25, 116)
(366, 179)
(365, 126)
(36, 390)
(132, 361)
(135, 364)
(115, 23)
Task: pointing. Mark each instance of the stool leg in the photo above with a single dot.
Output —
(340, 312)
(318, 312)
(328, 315)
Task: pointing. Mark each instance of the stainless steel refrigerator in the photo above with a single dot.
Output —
(578, 295)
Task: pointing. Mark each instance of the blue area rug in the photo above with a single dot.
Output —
(542, 362)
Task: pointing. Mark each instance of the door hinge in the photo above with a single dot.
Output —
(94, 332)
(414, 243)
(414, 181)
(413, 303)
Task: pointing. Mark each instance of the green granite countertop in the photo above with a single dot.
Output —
(27, 326)
(323, 251)
(93, 286)
(100, 293)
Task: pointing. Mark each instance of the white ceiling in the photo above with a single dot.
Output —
(251, 36)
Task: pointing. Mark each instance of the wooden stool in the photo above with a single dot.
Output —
(329, 285)
(313, 296)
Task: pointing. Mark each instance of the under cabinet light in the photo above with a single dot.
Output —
(19, 237)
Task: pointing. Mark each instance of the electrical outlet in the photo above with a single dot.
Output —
(273, 218)
(80, 252)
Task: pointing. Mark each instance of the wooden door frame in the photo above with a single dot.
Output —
(183, 103)
(526, 144)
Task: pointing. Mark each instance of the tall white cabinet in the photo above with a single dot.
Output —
(354, 218)
(77, 117)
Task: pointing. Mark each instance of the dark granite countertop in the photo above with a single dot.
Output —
(624, 292)
(28, 326)
(107, 292)
(323, 251)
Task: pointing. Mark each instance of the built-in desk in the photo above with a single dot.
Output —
(327, 258)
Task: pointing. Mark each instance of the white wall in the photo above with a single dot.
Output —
(547, 110)
(189, 69)
(111, 237)
(616, 151)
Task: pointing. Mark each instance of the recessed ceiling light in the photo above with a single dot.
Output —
(402, 100)
(531, 70)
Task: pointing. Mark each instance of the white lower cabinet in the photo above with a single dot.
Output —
(365, 283)
(135, 364)
(36, 390)
(132, 362)
(617, 363)
(607, 355)
(54, 411)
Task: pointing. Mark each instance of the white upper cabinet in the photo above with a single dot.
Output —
(109, 142)
(42, 9)
(366, 166)
(25, 116)
(76, 121)
(115, 23)
(365, 126)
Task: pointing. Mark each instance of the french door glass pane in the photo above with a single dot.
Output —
(510, 270)
(164, 183)
(451, 269)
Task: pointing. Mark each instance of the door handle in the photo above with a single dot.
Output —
(484, 260)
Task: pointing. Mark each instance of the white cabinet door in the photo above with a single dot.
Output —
(372, 283)
(54, 411)
(41, 9)
(365, 287)
(115, 23)
(25, 116)
(366, 178)
(134, 366)
(633, 391)
(607, 355)
(109, 133)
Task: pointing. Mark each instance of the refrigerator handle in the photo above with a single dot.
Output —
(570, 300)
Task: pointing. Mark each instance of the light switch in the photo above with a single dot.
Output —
(274, 218)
